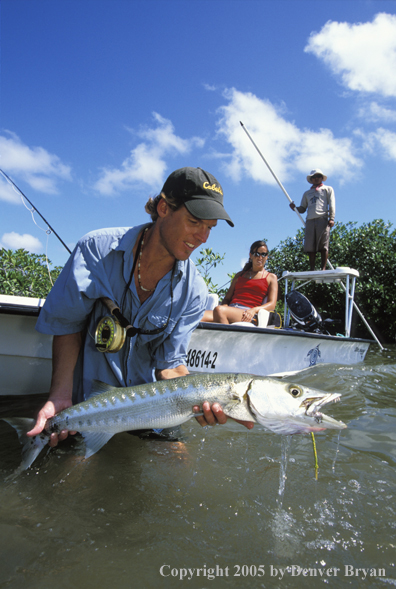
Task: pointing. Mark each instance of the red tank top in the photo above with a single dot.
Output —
(250, 292)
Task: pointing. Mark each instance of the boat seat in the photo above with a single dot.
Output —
(262, 320)
(213, 301)
(263, 317)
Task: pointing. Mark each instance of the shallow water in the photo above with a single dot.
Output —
(240, 506)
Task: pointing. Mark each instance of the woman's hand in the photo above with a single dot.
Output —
(248, 314)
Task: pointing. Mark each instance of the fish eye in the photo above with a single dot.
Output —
(295, 391)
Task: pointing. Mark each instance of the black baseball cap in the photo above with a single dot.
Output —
(199, 191)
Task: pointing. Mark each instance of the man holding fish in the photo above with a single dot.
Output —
(147, 274)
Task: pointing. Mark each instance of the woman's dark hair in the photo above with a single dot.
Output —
(253, 248)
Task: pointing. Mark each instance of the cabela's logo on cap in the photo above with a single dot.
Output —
(214, 187)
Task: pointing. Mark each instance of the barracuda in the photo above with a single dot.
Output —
(282, 407)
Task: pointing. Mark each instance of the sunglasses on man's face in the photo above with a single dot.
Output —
(258, 255)
(317, 177)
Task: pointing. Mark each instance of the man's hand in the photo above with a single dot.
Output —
(168, 373)
(51, 408)
(211, 415)
(214, 415)
(292, 206)
(65, 349)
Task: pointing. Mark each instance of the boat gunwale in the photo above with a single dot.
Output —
(279, 331)
(26, 310)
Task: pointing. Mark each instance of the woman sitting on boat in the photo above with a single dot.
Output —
(251, 290)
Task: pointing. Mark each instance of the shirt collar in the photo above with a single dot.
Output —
(128, 240)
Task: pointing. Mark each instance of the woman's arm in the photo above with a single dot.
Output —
(272, 294)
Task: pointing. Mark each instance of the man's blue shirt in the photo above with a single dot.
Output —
(100, 266)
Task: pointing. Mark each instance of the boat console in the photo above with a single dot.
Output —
(345, 276)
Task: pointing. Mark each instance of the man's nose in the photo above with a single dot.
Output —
(203, 234)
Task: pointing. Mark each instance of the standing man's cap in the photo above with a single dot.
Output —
(313, 172)
(199, 191)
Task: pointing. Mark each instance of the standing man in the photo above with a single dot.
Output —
(147, 273)
(320, 202)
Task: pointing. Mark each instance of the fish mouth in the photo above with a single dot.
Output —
(313, 406)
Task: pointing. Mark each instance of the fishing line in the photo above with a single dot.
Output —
(34, 210)
(46, 257)
(315, 455)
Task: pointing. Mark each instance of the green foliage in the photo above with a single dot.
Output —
(209, 260)
(24, 274)
(370, 249)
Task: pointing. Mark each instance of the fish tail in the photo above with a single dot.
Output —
(31, 446)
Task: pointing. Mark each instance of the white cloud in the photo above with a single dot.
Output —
(146, 163)
(376, 112)
(7, 192)
(362, 54)
(16, 241)
(387, 140)
(35, 165)
(287, 148)
(381, 139)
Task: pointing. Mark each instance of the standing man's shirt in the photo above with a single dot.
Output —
(320, 202)
(100, 266)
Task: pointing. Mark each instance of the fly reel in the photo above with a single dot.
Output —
(109, 335)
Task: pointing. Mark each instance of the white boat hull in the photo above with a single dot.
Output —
(25, 354)
(267, 351)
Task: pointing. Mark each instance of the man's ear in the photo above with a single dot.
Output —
(162, 208)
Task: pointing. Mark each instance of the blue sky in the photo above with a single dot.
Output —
(102, 99)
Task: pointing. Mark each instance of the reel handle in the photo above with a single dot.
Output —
(114, 310)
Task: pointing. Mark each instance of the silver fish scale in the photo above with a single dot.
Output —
(167, 402)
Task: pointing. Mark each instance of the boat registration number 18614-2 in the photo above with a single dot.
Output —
(201, 359)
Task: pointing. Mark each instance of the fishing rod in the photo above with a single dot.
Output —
(34, 209)
(303, 222)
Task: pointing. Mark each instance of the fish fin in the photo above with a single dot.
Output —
(31, 446)
(238, 410)
(98, 387)
(95, 441)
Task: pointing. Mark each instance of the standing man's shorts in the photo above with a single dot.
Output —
(317, 235)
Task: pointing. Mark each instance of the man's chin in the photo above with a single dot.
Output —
(184, 255)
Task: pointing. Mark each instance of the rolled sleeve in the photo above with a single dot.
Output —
(83, 280)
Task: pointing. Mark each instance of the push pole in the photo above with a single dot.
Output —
(272, 172)
(303, 222)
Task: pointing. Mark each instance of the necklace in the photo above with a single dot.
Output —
(132, 331)
(140, 257)
(252, 273)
